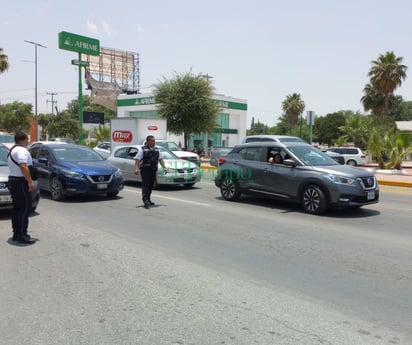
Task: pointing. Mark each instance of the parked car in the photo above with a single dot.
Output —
(179, 171)
(336, 156)
(269, 137)
(307, 176)
(7, 139)
(178, 151)
(218, 151)
(64, 140)
(103, 148)
(353, 155)
(6, 202)
(70, 169)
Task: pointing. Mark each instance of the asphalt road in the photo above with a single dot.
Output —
(199, 270)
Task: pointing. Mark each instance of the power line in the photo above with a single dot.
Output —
(53, 102)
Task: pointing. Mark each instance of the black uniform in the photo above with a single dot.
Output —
(148, 171)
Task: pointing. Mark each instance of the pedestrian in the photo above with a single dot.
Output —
(20, 186)
(146, 162)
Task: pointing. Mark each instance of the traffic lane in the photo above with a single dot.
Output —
(354, 264)
(83, 285)
(355, 259)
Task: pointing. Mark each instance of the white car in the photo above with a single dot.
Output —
(353, 155)
(178, 151)
(179, 171)
(103, 149)
(6, 202)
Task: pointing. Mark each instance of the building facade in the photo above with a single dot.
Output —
(231, 119)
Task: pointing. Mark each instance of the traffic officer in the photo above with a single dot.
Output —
(146, 162)
(20, 186)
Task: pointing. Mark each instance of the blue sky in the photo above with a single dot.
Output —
(258, 50)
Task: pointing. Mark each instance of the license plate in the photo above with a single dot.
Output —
(102, 186)
(371, 195)
(5, 199)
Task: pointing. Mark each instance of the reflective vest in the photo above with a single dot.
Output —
(150, 157)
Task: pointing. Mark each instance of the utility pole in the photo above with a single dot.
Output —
(206, 149)
(35, 83)
(53, 102)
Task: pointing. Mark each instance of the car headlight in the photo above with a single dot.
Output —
(341, 179)
(72, 174)
(118, 173)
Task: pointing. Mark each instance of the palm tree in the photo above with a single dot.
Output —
(4, 62)
(387, 73)
(373, 100)
(356, 129)
(293, 106)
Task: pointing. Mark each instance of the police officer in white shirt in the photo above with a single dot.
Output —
(20, 186)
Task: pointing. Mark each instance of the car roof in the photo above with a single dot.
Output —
(273, 144)
(274, 137)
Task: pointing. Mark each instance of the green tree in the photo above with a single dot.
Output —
(4, 61)
(14, 116)
(293, 106)
(185, 102)
(258, 128)
(386, 74)
(327, 128)
(63, 125)
(356, 129)
(102, 133)
(394, 144)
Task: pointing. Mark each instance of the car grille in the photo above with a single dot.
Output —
(100, 178)
(368, 182)
(185, 170)
(181, 179)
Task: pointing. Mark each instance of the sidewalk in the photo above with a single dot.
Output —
(397, 178)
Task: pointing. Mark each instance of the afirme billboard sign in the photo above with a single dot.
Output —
(77, 43)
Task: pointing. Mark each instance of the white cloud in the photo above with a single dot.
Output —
(92, 28)
(110, 31)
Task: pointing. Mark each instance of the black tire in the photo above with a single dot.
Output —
(189, 185)
(56, 189)
(112, 194)
(314, 200)
(230, 189)
(351, 162)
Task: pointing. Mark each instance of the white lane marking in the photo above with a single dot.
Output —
(137, 191)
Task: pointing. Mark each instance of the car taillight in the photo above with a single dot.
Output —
(221, 160)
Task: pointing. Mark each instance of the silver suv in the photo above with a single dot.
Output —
(269, 137)
(306, 176)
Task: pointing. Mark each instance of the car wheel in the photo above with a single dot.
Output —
(351, 162)
(230, 189)
(112, 194)
(314, 200)
(188, 185)
(56, 189)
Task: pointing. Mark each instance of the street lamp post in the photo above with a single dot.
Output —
(35, 83)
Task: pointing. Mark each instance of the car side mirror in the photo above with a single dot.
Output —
(289, 162)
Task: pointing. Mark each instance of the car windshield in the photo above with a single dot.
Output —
(312, 156)
(76, 154)
(6, 138)
(3, 155)
(167, 154)
(170, 145)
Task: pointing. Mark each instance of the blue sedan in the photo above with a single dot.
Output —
(71, 169)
